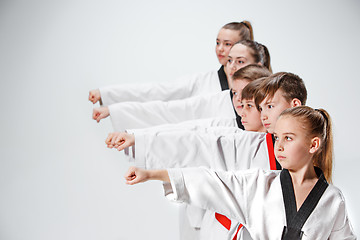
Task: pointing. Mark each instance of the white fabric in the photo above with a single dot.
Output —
(254, 197)
(184, 87)
(222, 148)
(127, 115)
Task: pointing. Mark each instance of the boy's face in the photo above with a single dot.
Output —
(250, 116)
(236, 88)
(271, 109)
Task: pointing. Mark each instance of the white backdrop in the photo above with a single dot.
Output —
(57, 178)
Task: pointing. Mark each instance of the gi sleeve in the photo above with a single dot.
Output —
(183, 87)
(222, 148)
(223, 192)
(342, 228)
(134, 115)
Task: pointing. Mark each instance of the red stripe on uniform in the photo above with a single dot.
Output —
(223, 220)
(270, 146)
(240, 226)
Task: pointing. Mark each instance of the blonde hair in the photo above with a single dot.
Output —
(317, 123)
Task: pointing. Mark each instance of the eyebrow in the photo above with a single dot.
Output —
(289, 133)
(224, 40)
(237, 57)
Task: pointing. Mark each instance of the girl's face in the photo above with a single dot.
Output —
(224, 41)
(239, 57)
(292, 145)
(250, 116)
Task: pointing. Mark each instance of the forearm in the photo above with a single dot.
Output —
(159, 174)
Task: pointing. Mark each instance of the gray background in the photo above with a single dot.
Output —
(57, 178)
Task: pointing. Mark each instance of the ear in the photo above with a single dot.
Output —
(295, 102)
(315, 144)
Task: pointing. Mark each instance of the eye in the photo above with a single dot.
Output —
(270, 106)
(234, 93)
(217, 42)
(276, 138)
(249, 106)
(229, 60)
(241, 62)
(228, 44)
(260, 109)
(287, 138)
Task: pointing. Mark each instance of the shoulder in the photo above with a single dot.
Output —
(335, 194)
(259, 174)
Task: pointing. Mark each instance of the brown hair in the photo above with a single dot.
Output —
(248, 93)
(251, 72)
(245, 29)
(258, 51)
(292, 86)
(317, 123)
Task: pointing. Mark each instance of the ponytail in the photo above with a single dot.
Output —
(245, 29)
(264, 56)
(324, 158)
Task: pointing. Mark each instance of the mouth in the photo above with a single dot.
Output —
(266, 125)
(280, 157)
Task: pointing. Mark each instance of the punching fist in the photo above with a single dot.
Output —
(120, 140)
(138, 175)
(100, 113)
(94, 96)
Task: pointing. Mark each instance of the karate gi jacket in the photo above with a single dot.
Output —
(255, 198)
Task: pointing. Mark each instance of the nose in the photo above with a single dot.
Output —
(233, 66)
(263, 115)
(279, 145)
(220, 47)
(242, 113)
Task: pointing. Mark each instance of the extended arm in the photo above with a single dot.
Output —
(134, 115)
(183, 87)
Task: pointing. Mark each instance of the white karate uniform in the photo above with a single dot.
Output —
(127, 115)
(254, 197)
(222, 148)
(184, 87)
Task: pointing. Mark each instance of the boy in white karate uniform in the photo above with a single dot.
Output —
(218, 148)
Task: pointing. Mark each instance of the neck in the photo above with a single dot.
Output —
(263, 129)
(227, 75)
(303, 175)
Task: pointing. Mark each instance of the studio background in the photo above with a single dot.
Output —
(57, 178)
